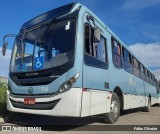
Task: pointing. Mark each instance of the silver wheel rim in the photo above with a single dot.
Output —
(114, 108)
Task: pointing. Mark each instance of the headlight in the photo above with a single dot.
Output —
(68, 84)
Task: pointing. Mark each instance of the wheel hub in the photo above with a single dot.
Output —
(114, 108)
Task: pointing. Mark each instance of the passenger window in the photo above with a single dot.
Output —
(142, 69)
(88, 40)
(127, 62)
(96, 50)
(99, 50)
(155, 82)
(147, 75)
(135, 63)
(116, 53)
(152, 79)
(136, 67)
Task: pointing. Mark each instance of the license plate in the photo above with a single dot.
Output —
(29, 101)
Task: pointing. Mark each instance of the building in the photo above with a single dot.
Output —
(3, 79)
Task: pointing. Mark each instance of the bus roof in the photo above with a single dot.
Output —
(48, 16)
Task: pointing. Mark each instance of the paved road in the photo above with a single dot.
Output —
(129, 117)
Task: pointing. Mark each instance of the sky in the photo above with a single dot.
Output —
(135, 22)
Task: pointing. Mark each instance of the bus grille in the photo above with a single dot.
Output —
(37, 106)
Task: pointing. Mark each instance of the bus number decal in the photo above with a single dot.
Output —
(44, 89)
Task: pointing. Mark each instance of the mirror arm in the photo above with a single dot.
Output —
(8, 35)
(91, 18)
(6, 43)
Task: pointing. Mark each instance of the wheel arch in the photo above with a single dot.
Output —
(149, 97)
(119, 92)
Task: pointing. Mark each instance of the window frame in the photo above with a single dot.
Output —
(126, 60)
(136, 66)
(88, 56)
(114, 53)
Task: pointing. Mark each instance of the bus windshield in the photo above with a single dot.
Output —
(45, 47)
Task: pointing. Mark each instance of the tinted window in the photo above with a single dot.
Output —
(96, 50)
(116, 47)
(136, 67)
(127, 62)
(48, 16)
(116, 53)
(142, 70)
(95, 53)
(99, 50)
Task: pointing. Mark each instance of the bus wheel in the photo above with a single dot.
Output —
(147, 108)
(114, 113)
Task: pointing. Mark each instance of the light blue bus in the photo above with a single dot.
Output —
(158, 88)
(67, 62)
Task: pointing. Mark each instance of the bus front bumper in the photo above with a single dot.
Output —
(65, 104)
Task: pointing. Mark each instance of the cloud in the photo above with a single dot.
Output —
(140, 4)
(4, 63)
(157, 73)
(149, 54)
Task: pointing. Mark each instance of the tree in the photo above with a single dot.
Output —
(3, 85)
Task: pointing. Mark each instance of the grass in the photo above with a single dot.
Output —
(2, 101)
(4, 113)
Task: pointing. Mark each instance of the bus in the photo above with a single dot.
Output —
(158, 89)
(67, 62)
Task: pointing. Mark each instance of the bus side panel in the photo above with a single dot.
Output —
(95, 102)
(71, 103)
(152, 92)
(99, 102)
(153, 100)
(139, 86)
(94, 80)
(134, 101)
(128, 99)
(85, 104)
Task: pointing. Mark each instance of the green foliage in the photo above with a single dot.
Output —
(3, 90)
(3, 85)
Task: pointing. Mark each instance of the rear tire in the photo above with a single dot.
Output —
(114, 113)
(147, 108)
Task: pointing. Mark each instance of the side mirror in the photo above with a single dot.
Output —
(97, 34)
(4, 48)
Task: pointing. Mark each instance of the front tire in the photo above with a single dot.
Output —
(114, 113)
